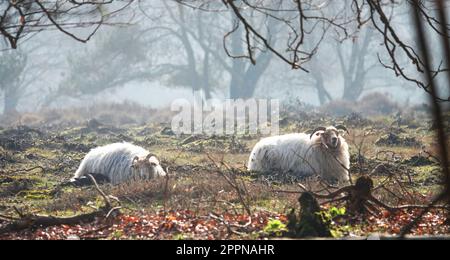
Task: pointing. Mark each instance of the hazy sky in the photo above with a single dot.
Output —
(278, 81)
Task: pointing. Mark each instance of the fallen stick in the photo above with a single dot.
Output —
(36, 221)
(359, 197)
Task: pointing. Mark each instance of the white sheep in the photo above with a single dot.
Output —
(120, 162)
(323, 153)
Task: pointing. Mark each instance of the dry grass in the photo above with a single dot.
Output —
(195, 183)
(115, 114)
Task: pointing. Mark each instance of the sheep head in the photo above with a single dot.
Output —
(330, 137)
(148, 166)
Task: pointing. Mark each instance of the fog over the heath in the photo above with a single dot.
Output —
(176, 52)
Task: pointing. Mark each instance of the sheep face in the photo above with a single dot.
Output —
(329, 137)
(147, 167)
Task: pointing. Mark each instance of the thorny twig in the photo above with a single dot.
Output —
(231, 180)
(348, 193)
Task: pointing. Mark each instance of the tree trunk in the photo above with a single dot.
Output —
(244, 82)
(11, 100)
(245, 76)
(190, 53)
(353, 90)
(206, 80)
(323, 94)
(238, 67)
(244, 79)
(354, 78)
(205, 77)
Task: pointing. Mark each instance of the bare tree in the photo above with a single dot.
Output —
(353, 62)
(19, 73)
(197, 42)
(245, 76)
(354, 67)
(167, 51)
(205, 64)
(119, 56)
(303, 18)
(12, 66)
(20, 19)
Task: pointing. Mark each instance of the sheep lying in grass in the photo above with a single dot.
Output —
(119, 163)
(323, 153)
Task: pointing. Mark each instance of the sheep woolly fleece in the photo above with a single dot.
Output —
(115, 162)
(300, 155)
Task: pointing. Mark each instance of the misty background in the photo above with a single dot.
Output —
(168, 51)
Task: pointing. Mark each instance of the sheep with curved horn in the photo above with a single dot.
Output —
(120, 162)
(324, 152)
